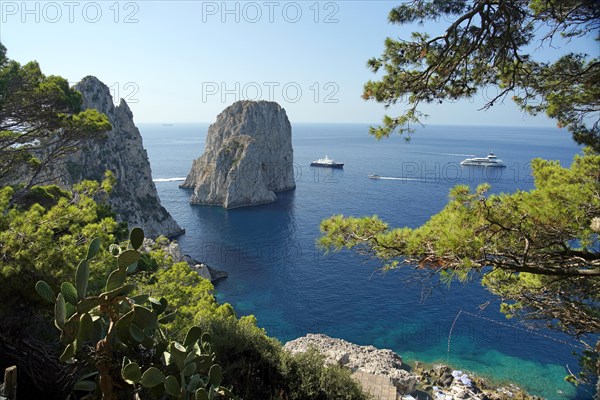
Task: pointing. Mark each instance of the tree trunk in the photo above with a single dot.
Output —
(9, 388)
(597, 396)
(104, 366)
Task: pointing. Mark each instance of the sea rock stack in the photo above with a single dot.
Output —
(134, 197)
(248, 157)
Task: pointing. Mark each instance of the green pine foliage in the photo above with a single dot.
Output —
(485, 45)
(45, 242)
(253, 363)
(186, 292)
(41, 121)
(128, 319)
(537, 250)
(45, 238)
(258, 367)
(119, 339)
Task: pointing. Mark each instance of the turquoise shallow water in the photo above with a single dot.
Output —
(277, 273)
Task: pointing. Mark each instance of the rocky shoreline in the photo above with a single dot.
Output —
(172, 249)
(368, 363)
(358, 358)
(421, 381)
(438, 382)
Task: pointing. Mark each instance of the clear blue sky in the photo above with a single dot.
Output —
(184, 61)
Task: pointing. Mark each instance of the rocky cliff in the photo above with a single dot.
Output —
(358, 358)
(134, 197)
(248, 157)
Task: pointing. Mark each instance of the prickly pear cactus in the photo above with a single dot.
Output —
(100, 329)
(189, 371)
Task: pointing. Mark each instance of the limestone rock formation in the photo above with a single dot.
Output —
(248, 157)
(173, 250)
(358, 358)
(437, 382)
(134, 197)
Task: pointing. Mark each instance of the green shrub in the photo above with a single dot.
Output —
(259, 369)
(309, 378)
(45, 241)
(251, 360)
(186, 292)
(120, 341)
(253, 363)
(46, 196)
(147, 263)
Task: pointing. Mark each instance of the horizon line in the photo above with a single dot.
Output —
(359, 123)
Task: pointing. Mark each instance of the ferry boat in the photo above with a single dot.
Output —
(490, 161)
(326, 162)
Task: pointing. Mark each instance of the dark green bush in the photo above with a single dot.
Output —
(259, 369)
(309, 378)
(46, 196)
(147, 263)
(48, 245)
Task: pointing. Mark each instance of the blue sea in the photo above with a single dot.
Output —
(277, 273)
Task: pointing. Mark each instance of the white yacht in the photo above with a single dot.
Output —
(490, 161)
(326, 162)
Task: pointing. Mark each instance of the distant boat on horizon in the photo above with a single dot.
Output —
(490, 161)
(327, 163)
(167, 124)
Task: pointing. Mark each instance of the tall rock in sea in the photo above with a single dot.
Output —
(248, 157)
(134, 197)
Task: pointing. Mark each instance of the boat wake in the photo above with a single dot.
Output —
(168, 179)
(391, 178)
(395, 178)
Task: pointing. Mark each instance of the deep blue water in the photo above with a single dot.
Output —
(277, 273)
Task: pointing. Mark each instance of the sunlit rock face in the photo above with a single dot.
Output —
(121, 151)
(248, 157)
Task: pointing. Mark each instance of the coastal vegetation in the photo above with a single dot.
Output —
(538, 251)
(40, 122)
(88, 310)
(488, 46)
